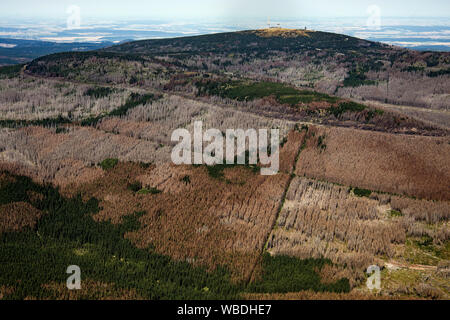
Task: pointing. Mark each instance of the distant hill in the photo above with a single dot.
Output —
(14, 51)
(250, 41)
(327, 62)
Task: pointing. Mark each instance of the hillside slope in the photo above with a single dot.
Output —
(327, 62)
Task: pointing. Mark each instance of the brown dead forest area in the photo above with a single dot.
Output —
(195, 217)
(409, 165)
(226, 220)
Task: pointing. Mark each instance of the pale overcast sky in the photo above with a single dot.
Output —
(214, 9)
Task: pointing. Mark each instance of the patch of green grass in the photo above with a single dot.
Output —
(109, 164)
(391, 280)
(422, 251)
(362, 192)
(425, 242)
(444, 251)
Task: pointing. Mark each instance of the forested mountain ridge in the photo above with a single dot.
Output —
(327, 62)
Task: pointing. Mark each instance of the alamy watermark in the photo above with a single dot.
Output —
(74, 19)
(74, 281)
(374, 281)
(230, 147)
(374, 19)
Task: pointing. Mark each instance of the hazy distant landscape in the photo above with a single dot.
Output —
(419, 34)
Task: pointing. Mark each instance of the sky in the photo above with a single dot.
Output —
(220, 9)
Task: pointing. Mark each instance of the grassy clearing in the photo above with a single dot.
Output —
(423, 251)
(414, 283)
(361, 192)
